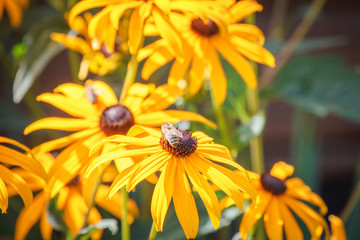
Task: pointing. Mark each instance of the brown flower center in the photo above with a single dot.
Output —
(178, 142)
(116, 119)
(273, 184)
(74, 181)
(205, 29)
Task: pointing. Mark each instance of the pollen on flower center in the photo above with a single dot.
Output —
(205, 29)
(178, 142)
(273, 184)
(116, 119)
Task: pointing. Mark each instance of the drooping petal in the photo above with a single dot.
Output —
(162, 194)
(206, 193)
(179, 68)
(242, 9)
(29, 216)
(17, 144)
(136, 22)
(16, 182)
(45, 227)
(273, 221)
(4, 198)
(136, 95)
(196, 75)
(120, 181)
(77, 44)
(95, 218)
(74, 212)
(71, 90)
(248, 31)
(155, 61)
(85, 5)
(14, 13)
(34, 182)
(171, 116)
(337, 228)
(292, 229)
(64, 124)
(118, 10)
(184, 202)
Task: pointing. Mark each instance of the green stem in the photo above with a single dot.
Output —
(220, 118)
(125, 227)
(256, 145)
(354, 199)
(131, 72)
(153, 232)
(74, 65)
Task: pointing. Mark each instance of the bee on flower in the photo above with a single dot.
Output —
(179, 155)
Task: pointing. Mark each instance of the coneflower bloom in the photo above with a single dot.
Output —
(337, 228)
(221, 33)
(279, 198)
(179, 155)
(98, 114)
(96, 58)
(13, 8)
(71, 202)
(10, 180)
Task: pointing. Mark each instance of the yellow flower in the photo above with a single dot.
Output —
(10, 180)
(337, 228)
(96, 58)
(158, 11)
(279, 198)
(179, 155)
(13, 8)
(71, 202)
(98, 114)
(222, 33)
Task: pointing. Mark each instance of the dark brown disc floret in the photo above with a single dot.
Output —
(116, 119)
(74, 181)
(206, 29)
(273, 184)
(177, 142)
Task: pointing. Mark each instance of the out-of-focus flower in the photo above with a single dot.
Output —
(337, 228)
(204, 39)
(279, 198)
(98, 114)
(179, 155)
(158, 11)
(10, 180)
(13, 8)
(71, 202)
(96, 58)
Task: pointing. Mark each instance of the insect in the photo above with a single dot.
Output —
(91, 93)
(171, 134)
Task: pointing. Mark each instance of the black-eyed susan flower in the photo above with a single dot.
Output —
(337, 228)
(70, 202)
(98, 114)
(279, 198)
(96, 58)
(10, 180)
(179, 155)
(204, 39)
(158, 11)
(13, 8)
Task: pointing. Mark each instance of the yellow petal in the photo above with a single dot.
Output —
(155, 61)
(14, 12)
(179, 68)
(85, 5)
(74, 212)
(82, 109)
(281, 170)
(292, 229)
(118, 10)
(120, 181)
(206, 193)
(184, 202)
(29, 216)
(4, 202)
(171, 116)
(337, 228)
(16, 182)
(248, 31)
(17, 144)
(77, 44)
(34, 182)
(196, 75)
(136, 94)
(162, 194)
(242, 9)
(226, 202)
(64, 124)
(241, 65)
(104, 92)
(137, 131)
(150, 49)
(94, 218)
(273, 221)
(45, 227)
(71, 90)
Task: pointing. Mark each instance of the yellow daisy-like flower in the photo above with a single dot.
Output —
(179, 155)
(71, 202)
(157, 10)
(223, 34)
(96, 58)
(13, 8)
(10, 180)
(279, 198)
(98, 114)
(337, 228)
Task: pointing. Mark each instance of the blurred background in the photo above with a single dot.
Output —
(312, 105)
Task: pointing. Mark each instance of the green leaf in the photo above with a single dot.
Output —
(251, 129)
(111, 224)
(321, 85)
(56, 217)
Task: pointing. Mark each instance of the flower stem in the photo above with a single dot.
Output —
(153, 232)
(131, 71)
(220, 118)
(354, 199)
(125, 227)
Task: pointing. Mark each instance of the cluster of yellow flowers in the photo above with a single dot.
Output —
(119, 141)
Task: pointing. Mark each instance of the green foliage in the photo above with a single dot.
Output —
(110, 224)
(251, 129)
